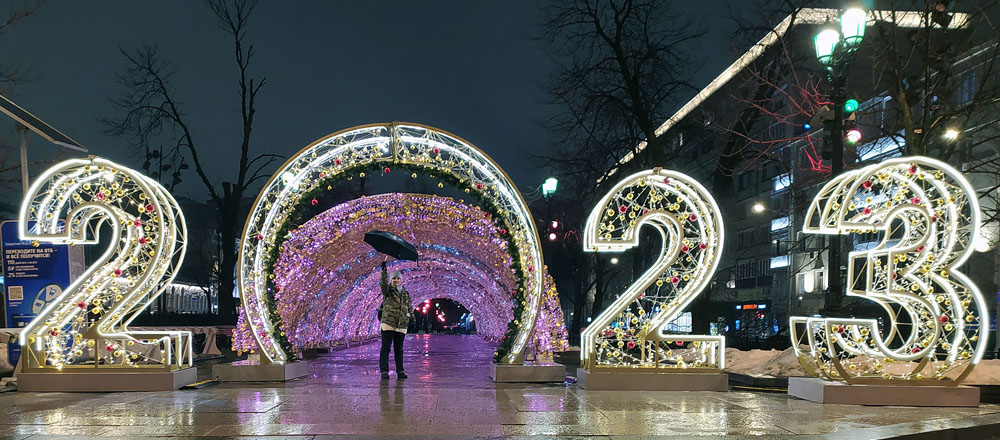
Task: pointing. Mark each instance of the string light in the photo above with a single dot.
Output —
(630, 332)
(392, 145)
(88, 322)
(462, 257)
(935, 327)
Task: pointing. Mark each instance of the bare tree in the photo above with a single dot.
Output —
(149, 111)
(622, 64)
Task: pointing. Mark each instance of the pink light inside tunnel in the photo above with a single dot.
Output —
(328, 278)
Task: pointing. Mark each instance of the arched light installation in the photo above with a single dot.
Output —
(88, 322)
(927, 215)
(397, 143)
(630, 332)
(397, 146)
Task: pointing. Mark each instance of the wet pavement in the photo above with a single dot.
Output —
(449, 395)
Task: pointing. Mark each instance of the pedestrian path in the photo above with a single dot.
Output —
(450, 396)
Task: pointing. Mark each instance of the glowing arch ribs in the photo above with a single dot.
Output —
(329, 288)
(927, 215)
(88, 322)
(630, 333)
(412, 144)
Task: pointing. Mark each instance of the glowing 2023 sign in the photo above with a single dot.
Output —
(88, 322)
(927, 215)
(630, 332)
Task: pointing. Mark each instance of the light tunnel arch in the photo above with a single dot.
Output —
(391, 144)
(328, 281)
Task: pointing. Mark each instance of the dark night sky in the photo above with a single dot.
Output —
(468, 67)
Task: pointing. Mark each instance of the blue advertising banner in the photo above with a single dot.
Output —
(34, 274)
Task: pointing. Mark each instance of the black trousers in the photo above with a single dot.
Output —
(395, 339)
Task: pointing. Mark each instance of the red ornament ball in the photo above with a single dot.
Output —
(136, 222)
(675, 280)
(868, 184)
(314, 202)
(702, 246)
(82, 305)
(100, 196)
(150, 207)
(685, 249)
(386, 170)
(110, 347)
(623, 209)
(143, 240)
(337, 161)
(437, 150)
(631, 345)
(913, 169)
(118, 272)
(943, 319)
(693, 217)
(479, 186)
(260, 236)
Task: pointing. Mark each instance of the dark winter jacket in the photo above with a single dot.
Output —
(396, 304)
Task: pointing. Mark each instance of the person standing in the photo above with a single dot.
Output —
(396, 311)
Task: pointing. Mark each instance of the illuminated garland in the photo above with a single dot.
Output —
(629, 333)
(389, 145)
(88, 322)
(928, 215)
(297, 217)
(326, 255)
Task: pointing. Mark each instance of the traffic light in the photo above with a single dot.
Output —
(850, 106)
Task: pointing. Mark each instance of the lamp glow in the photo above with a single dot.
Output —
(758, 208)
(951, 134)
(549, 187)
(825, 42)
(850, 105)
(853, 136)
(852, 26)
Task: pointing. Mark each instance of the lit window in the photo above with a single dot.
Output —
(782, 181)
(780, 223)
(781, 261)
(682, 324)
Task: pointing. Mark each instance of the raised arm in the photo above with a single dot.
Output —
(385, 280)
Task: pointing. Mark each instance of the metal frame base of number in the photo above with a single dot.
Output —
(533, 372)
(254, 371)
(107, 380)
(829, 392)
(651, 381)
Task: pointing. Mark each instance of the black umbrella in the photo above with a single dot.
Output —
(391, 244)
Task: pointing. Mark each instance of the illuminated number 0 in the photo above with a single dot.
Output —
(88, 322)
(631, 332)
(927, 215)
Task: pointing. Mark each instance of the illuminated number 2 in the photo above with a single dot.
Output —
(927, 215)
(631, 332)
(88, 322)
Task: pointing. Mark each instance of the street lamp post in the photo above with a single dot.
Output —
(835, 49)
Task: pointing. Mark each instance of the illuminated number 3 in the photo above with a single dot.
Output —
(88, 322)
(927, 215)
(631, 332)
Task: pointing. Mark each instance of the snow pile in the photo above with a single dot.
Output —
(772, 363)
